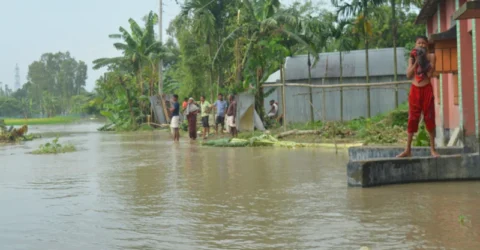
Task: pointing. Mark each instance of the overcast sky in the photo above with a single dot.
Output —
(33, 27)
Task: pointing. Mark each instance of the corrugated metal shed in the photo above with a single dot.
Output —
(274, 78)
(380, 62)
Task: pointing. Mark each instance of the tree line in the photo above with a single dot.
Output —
(234, 46)
(55, 85)
(213, 47)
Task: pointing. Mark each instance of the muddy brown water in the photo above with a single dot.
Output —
(141, 191)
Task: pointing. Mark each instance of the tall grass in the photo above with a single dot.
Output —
(41, 121)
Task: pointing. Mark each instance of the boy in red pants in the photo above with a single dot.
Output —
(421, 66)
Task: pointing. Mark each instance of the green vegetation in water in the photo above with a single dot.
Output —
(461, 219)
(54, 148)
(465, 221)
(42, 121)
(264, 140)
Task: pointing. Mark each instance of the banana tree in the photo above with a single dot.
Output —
(136, 48)
(260, 24)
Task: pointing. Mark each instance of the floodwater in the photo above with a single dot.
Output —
(141, 191)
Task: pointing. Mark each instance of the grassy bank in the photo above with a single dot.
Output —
(41, 121)
(383, 129)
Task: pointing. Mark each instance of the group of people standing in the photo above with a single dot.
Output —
(225, 113)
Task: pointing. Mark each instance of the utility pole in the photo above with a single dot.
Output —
(160, 64)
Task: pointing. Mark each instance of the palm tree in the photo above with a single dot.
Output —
(208, 24)
(343, 42)
(313, 31)
(359, 8)
(137, 48)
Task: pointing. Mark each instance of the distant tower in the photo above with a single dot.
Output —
(17, 78)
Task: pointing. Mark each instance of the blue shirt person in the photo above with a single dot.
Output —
(176, 109)
(221, 107)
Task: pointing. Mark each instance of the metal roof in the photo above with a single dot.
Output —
(273, 78)
(380, 62)
(429, 9)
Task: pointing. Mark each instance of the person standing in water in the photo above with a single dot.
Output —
(231, 115)
(205, 112)
(184, 104)
(191, 112)
(175, 118)
(221, 107)
(421, 66)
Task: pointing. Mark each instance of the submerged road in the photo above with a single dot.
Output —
(141, 191)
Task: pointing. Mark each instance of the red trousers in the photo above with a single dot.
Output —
(421, 100)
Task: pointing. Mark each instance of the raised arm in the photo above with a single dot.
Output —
(411, 68)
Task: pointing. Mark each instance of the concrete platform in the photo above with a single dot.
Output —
(375, 166)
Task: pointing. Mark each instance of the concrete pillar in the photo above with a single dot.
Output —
(459, 58)
(465, 80)
(440, 137)
(466, 98)
(475, 34)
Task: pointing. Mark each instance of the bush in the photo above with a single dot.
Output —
(398, 118)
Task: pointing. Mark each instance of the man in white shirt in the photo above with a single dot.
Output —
(274, 110)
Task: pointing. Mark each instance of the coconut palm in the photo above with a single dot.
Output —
(360, 9)
(342, 41)
(313, 31)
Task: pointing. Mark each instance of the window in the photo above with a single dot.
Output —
(455, 88)
(446, 56)
(446, 60)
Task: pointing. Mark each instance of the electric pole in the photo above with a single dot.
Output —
(160, 64)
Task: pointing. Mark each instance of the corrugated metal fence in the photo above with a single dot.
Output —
(338, 102)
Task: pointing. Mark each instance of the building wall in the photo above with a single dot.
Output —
(382, 100)
(450, 110)
(277, 95)
(444, 77)
(467, 77)
(449, 10)
(349, 80)
(465, 113)
(452, 114)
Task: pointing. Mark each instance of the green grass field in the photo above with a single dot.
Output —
(41, 121)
